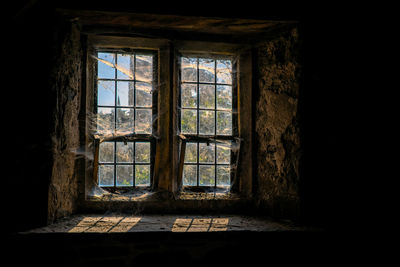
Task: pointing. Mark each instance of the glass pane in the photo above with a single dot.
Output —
(124, 152)
(142, 175)
(189, 95)
(105, 66)
(189, 69)
(206, 175)
(224, 71)
(144, 68)
(223, 176)
(224, 97)
(207, 122)
(207, 96)
(224, 123)
(189, 121)
(124, 175)
(125, 120)
(191, 153)
(105, 119)
(190, 175)
(143, 121)
(143, 94)
(125, 93)
(105, 93)
(223, 154)
(206, 70)
(206, 153)
(106, 175)
(106, 152)
(142, 150)
(125, 66)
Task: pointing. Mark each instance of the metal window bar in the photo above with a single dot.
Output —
(134, 136)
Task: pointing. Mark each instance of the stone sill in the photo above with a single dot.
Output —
(149, 196)
(144, 200)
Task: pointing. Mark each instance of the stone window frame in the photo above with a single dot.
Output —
(166, 176)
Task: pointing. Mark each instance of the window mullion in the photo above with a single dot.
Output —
(198, 121)
(115, 119)
(215, 122)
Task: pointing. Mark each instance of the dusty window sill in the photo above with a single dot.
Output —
(144, 200)
(145, 194)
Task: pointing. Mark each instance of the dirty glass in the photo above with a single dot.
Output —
(106, 93)
(143, 94)
(189, 96)
(206, 108)
(143, 121)
(224, 97)
(224, 123)
(106, 152)
(125, 82)
(144, 68)
(124, 175)
(206, 70)
(191, 153)
(106, 175)
(189, 69)
(223, 176)
(223, 154)
(142, 175)
(106, 65)
(142, 152)
(206, 175)
(105, 119)
(125, 66)
(224, 71)
(125, 93)
(128, 162)
(189, 121)
(190, 175)
(124, 85)
(206, 153)
(124, 152)
(207, 96)
(207, 120)
(207, 164)
(125, 120)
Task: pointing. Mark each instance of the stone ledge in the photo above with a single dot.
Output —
(148, 196)
(124, 223)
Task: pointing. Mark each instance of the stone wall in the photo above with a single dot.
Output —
(66, 86)
(277, 126)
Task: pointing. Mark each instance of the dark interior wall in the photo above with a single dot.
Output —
(44, 96)
(48, 51)
(30, 104)
(277, 126)
(65, 81)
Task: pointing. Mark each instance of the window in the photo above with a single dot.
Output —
(206, 119)
(167, 115)
(125, 82)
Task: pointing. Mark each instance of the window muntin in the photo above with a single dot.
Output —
(206, 111)
(125, 107)
(206, 96)
(124, 93)
(124, 164)
(207, 164)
